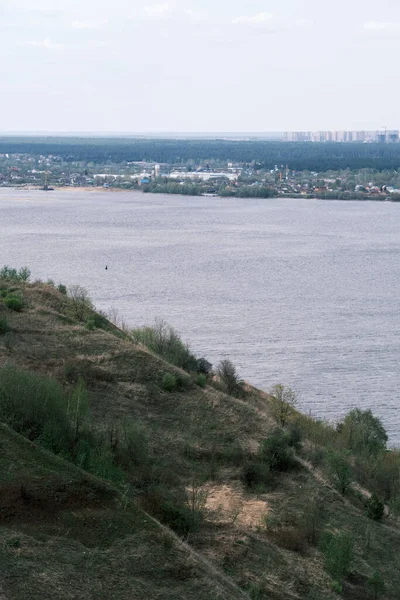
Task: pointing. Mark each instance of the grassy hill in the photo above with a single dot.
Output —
(124, 476)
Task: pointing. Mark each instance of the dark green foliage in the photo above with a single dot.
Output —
(376, 585)
(90, 324)
(176, 508)
(162, 339)
(203, 366)
(11, 274)
(62, 289)
(362, 432)
(226, 371)
(276, 451)
(338, 551)
(13, 302)
(256, 474)
(295, 434)
(300, 156)
(169, 382)
(201, 379)
(375, 508)
(4, 328)
(340, 471)
(35, 407)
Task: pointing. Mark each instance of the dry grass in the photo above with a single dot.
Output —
(100, 551)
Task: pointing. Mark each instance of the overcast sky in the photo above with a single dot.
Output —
(199, 65)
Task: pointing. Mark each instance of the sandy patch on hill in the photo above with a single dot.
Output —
(227, 504)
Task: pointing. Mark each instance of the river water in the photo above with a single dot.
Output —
(303, 292)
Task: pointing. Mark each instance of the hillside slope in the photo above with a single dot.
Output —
(65, 533)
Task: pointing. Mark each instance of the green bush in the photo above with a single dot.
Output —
(362, 432)
(62, 289)
(34, 406)
(4, 328)
(201, 380)
(226, 371)
(283, 402)
(80, 303)
(375, 508)
(256, 474)
(11, 274)
(338, 552)
(13, 302)
(377, 585)
(163, 340)
(340, 471)
(90, 324)
(276, 451)
(169, 382)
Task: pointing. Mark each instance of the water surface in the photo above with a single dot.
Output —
(304, 292)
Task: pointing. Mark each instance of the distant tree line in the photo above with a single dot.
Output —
(263, 154)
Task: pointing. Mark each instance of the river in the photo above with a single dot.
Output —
(303, 292)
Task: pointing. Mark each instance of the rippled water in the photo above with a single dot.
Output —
(303, 292)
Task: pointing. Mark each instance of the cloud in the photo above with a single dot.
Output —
(159, 10)
(88, 25)
(45, 43)
(263, 18)
(382, 26)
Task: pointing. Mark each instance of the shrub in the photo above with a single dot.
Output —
(24, 274)
(169, 382)
(338, 551)
(9, 341)
(81, 303)
(34, 406)
(375, 508)
(201, 379)
(276, 452)
(283, 403)
(174, 508)
(295, 434)
(226, 372)
(377, 585)
(90, 324)
(130, 444)
(13, 302)
(203, 366)
(340, 471)
(256, 474)
(162, 339)
(12, 274)
(4, 328)
(62, 289)
(362, 432)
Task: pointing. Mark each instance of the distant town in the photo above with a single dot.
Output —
(384, 136)
(205, 168)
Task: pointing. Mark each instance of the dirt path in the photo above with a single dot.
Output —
(355, 486)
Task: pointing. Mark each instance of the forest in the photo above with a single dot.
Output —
(264, 154)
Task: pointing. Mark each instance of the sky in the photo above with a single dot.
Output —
(199, 65)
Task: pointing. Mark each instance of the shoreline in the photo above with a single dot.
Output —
(92, 189)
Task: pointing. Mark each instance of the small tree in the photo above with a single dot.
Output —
(81, 302)
(362, 432)
(338, 551)
(340, 471)
(24, 274)
(375, 508)
(283, 403)
(226, 371)
(377, 585)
